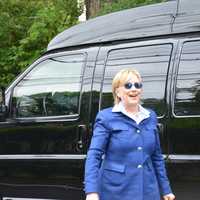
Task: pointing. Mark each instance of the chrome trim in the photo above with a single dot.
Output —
(42, 157)
(14, 198)
(170, 158)
(164, 156)
(183, 158)
(181, 45)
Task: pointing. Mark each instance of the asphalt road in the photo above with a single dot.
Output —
(185, 180)
(186, 190)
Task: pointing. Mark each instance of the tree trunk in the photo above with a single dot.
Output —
(92, 7)
(109, 1)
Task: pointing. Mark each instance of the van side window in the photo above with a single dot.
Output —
(152, 62)
(52, 88)
(187, 92)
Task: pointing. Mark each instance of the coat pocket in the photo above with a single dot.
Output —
(113, 173)
(117, 128)
(114, 166)
(120, 131)
(121, 139)
(151, 128)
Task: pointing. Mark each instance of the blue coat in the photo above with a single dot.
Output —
(124, 160)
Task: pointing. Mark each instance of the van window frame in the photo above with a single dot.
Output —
(73, 117)
(172, 42)
(173, 96)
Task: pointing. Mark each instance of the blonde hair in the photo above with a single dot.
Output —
(120, 79)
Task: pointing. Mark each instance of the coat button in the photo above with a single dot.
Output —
(138, 131)
(139, 166)
(139, 148)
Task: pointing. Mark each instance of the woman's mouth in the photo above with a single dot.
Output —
(133, 95)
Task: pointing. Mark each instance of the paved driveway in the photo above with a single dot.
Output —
(185, 180)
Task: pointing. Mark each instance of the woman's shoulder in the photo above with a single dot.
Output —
(104, 115)
(152, 113)
(105, 112)
(150, 110)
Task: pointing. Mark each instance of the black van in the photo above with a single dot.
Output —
(47, 113)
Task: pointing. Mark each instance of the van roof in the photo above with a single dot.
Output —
(171, 17)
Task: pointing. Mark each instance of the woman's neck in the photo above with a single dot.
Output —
(132, 109)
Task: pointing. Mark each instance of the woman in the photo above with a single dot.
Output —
(124, 160)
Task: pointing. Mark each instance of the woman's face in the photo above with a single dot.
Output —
(130, 92)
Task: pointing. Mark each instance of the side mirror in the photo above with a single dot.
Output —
(2, 102)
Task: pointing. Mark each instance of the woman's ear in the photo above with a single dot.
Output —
(117, 92)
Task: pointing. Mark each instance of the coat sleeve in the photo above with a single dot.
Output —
(159, 165)
(94, 155)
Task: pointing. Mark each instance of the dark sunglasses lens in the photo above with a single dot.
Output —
(136, 85)
(128, 85)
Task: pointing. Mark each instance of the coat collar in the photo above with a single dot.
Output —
(138, 117)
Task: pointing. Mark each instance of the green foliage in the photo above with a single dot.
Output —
(26, 28)
(116, 5)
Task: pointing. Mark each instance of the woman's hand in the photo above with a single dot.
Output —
(92, 196)
(169, 197)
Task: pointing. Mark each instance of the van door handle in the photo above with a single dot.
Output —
(82, 130)
(160, 128)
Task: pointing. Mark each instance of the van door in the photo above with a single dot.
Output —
(184, 128)
(152, 59)
(44, 141)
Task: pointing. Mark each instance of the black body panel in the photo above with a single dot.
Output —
(52, 105)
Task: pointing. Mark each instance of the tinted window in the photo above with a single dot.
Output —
(187, 98)
(152, 62)
(51, 88)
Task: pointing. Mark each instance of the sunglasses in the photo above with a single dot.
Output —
(136, 85)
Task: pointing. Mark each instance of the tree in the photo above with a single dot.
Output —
(108, 6)
(26, 28)
(92, 7)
